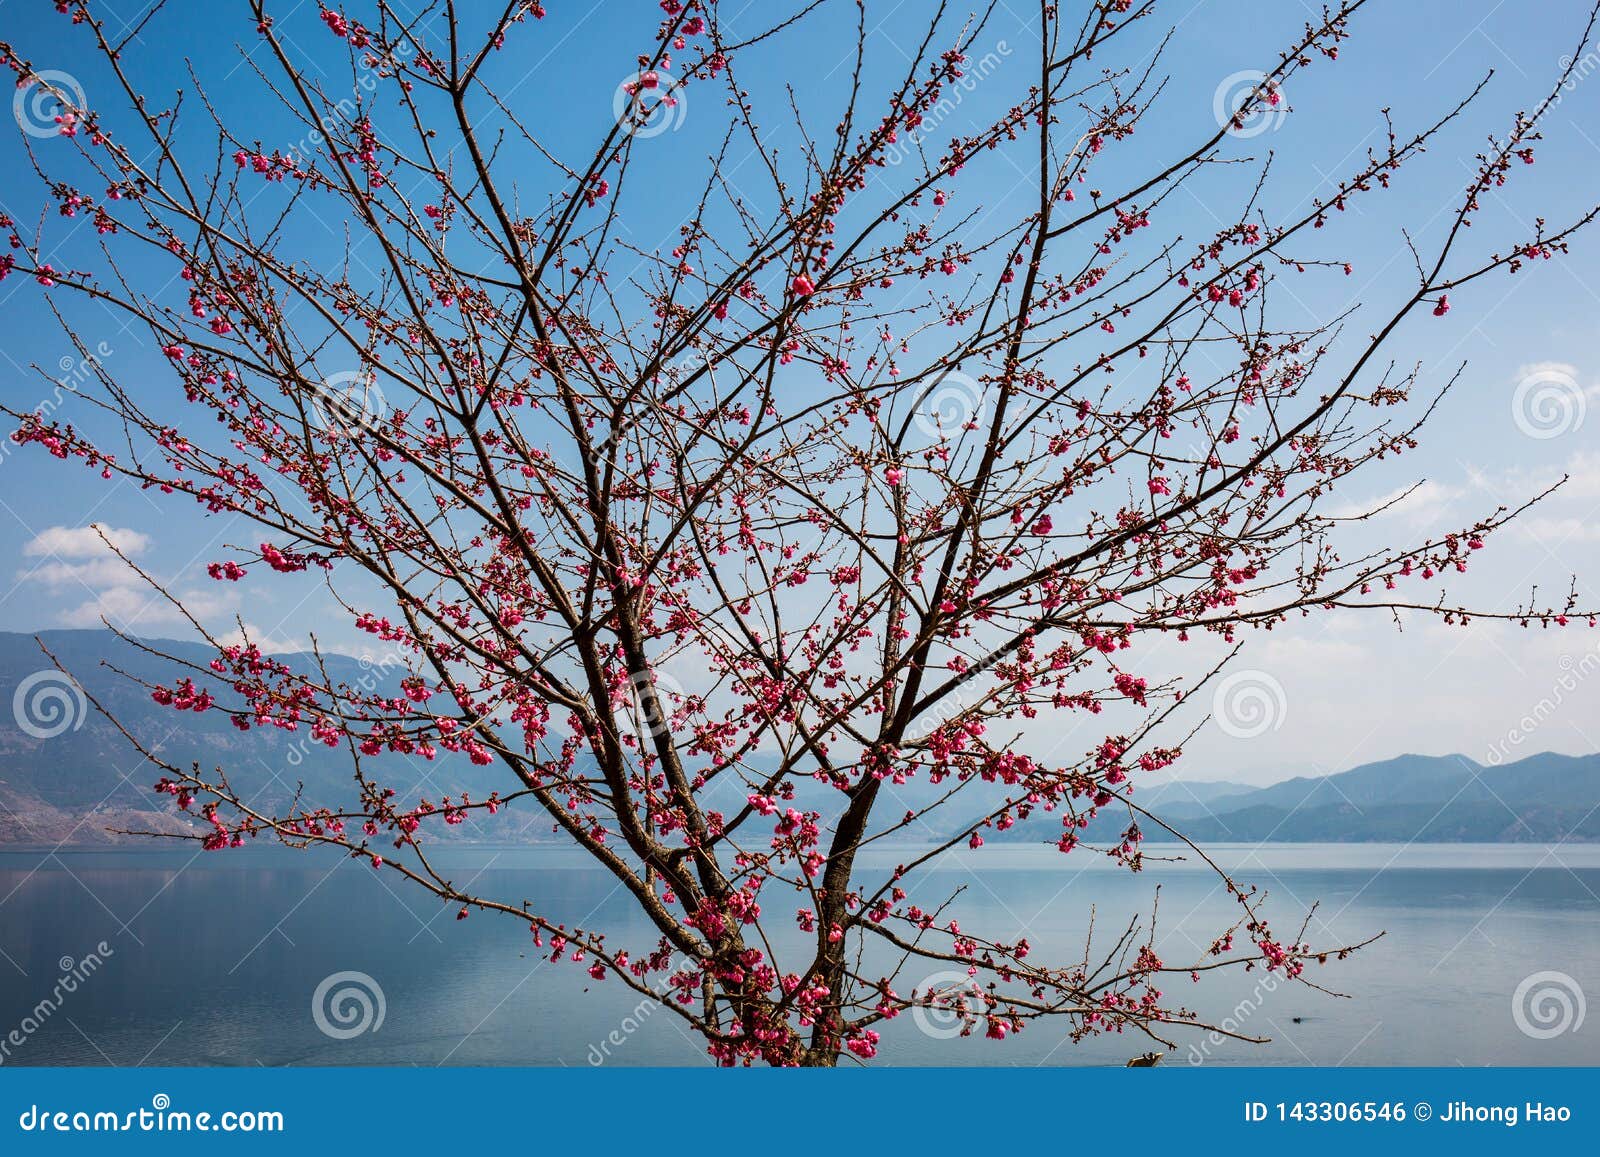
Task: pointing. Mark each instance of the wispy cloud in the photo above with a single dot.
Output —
(1422, 503)
(80, 568)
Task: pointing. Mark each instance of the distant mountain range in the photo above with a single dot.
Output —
(1544, 798)
(67, 774)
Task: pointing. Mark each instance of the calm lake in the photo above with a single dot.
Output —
(215, 959)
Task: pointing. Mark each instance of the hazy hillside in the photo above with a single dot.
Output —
(1543, 798)
(67, 772)
(71, 775)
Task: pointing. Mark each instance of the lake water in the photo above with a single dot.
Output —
(215, 959)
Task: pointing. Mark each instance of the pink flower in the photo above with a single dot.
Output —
(1443, 307)
(1159, 486)
(865, 1045)
(802, 286)
(893, 475)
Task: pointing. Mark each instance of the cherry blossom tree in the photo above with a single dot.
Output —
(893, 470)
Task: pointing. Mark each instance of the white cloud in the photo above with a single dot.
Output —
(1554, 371)
(1582, 474)
(1557, 516)
(94, 585)
(79, 556)
(269, 643)
(1534, 369)
(69, 542)
(137, 606)
(1557, 532)
(1421, 503)
(121, 605)
(108, 570)
(1315, 653)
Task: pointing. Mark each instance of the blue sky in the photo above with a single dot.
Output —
(1338, 691)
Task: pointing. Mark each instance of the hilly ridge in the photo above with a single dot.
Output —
(67, 772)
(1543, 798)
(81, 776)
